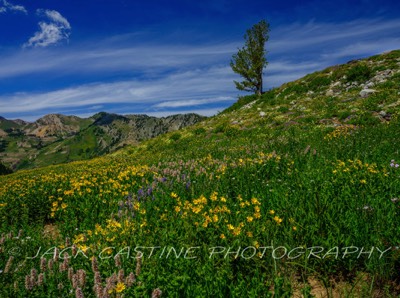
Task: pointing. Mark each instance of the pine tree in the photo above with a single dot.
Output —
(250, 60)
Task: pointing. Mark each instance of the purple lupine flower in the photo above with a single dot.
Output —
(149, 191)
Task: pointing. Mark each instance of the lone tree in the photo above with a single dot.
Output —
(250, 60)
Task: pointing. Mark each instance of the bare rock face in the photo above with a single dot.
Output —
(54, 125)
(149, 127)
(56, 134)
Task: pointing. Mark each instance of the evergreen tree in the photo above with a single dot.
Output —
(250, 60)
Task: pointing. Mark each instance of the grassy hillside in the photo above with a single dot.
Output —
(292, 194)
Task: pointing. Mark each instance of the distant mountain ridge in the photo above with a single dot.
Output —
(57, 138)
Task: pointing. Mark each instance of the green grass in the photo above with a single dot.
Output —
(239, 205)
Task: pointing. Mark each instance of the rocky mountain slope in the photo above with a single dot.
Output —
(57, 138)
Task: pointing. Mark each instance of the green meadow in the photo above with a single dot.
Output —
(295, 193)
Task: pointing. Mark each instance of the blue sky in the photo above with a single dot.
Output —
(162, 57)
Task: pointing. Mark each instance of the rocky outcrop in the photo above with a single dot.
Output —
(366, 92)
(56, 134)
(54, 125)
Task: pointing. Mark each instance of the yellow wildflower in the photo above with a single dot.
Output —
(236, 231)
(83, 247)
(120, 287)
(214, 196)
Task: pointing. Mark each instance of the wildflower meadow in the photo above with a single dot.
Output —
(227, 208)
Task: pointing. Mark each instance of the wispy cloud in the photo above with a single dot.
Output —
(162, 78)
(204, 112)
(104, 57)
(366, 48)
(191, 102)
(8, 6)
(312, 45)
(58, 29)
(201, 86)
(311, 35)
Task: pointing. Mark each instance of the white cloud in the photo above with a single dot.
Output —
(204, 112)
(48, 34)
(316, 35)
(311, 45)
(56, 17)
(191, 102)
(102, 57)
(58, 29)
(202, 86)
(366, 48)
(8, 6)
(166, 77)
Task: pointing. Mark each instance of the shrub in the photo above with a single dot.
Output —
(283, 109)
(359, 73)
(175, 136)
(4, 170)
(365, 119)
(199, 131)
(319, 82)
(231, 131)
